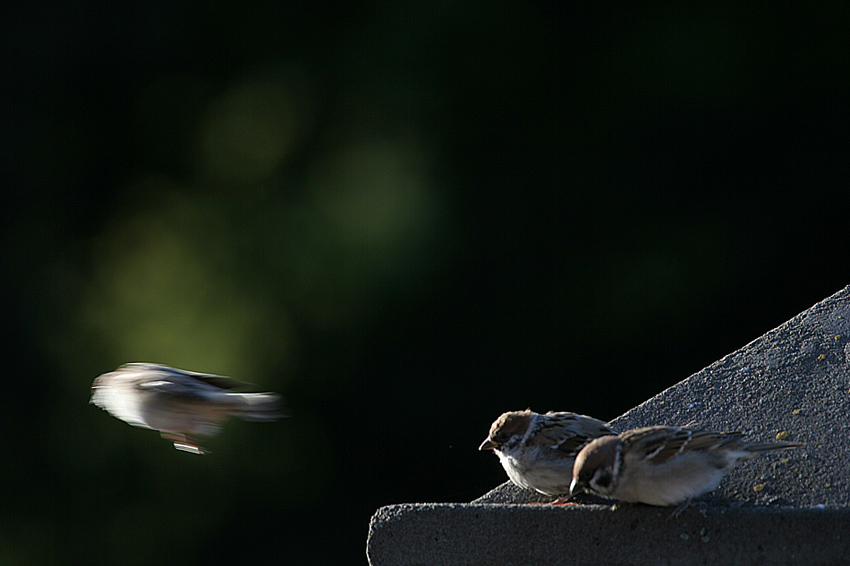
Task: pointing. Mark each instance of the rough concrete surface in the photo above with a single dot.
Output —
(513, 535)
(780, 508)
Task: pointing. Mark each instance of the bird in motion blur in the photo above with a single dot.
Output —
(182, 405)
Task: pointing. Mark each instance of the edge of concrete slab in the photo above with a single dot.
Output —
(479, 534)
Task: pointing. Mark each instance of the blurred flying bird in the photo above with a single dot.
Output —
(180, 404)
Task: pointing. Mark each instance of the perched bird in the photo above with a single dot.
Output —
(537, 451)
(662, 465)
(180, 404)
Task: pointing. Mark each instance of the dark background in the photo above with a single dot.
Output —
(407, 217)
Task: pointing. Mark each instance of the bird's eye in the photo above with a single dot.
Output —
(601, 479)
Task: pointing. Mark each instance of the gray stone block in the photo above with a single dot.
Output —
(513, 535)
(780, 508)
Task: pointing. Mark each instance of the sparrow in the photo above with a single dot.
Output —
(180, 404)
(538, 451)
(662, 465)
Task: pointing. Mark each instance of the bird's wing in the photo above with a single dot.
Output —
(659, 444)
(567, 432)
(164, 380)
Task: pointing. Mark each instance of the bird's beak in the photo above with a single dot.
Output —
(487, 445)
(576, 487)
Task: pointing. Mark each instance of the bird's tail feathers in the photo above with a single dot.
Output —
(259, 406)
(767, 446)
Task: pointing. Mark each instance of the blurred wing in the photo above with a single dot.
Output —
(219, 381)
(160, 379)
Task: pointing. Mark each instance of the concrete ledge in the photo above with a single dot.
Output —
(512, 535)
(789, 508)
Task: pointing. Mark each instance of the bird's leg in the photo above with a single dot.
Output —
(563, 500)
(182, 442)
(678, 510)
